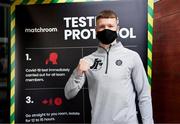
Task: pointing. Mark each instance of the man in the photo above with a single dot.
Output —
(114, 74)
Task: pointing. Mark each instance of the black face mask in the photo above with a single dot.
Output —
(106, 36)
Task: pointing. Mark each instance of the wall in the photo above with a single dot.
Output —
(166, 62)
(4, 61)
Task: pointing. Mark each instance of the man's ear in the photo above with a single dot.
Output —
(96, 30)
(118, 27)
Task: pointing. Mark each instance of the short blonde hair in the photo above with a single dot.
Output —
(106, 14)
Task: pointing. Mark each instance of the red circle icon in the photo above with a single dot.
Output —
(57, 101)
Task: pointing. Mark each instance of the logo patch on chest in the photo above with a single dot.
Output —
(118, 62)
(97, 64)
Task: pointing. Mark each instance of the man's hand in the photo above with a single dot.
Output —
(83, 66)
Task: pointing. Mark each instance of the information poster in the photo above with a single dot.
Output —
(50, 40)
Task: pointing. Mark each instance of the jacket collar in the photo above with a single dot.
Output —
(113, 47)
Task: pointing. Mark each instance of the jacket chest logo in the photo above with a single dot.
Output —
(118, 62)
(97, 64)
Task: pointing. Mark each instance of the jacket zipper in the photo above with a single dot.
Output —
(107, 59)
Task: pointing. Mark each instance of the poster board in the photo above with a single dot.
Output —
(42, 46)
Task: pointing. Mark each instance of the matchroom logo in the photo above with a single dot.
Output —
(40, 30)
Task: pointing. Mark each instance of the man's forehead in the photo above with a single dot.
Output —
(106, 20)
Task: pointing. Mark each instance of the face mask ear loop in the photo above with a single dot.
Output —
(118, 27)
(117, 31)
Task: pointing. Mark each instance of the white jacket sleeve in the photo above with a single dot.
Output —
(74, 84)
(143, 90)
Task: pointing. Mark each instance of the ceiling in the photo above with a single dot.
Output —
(8, 1)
